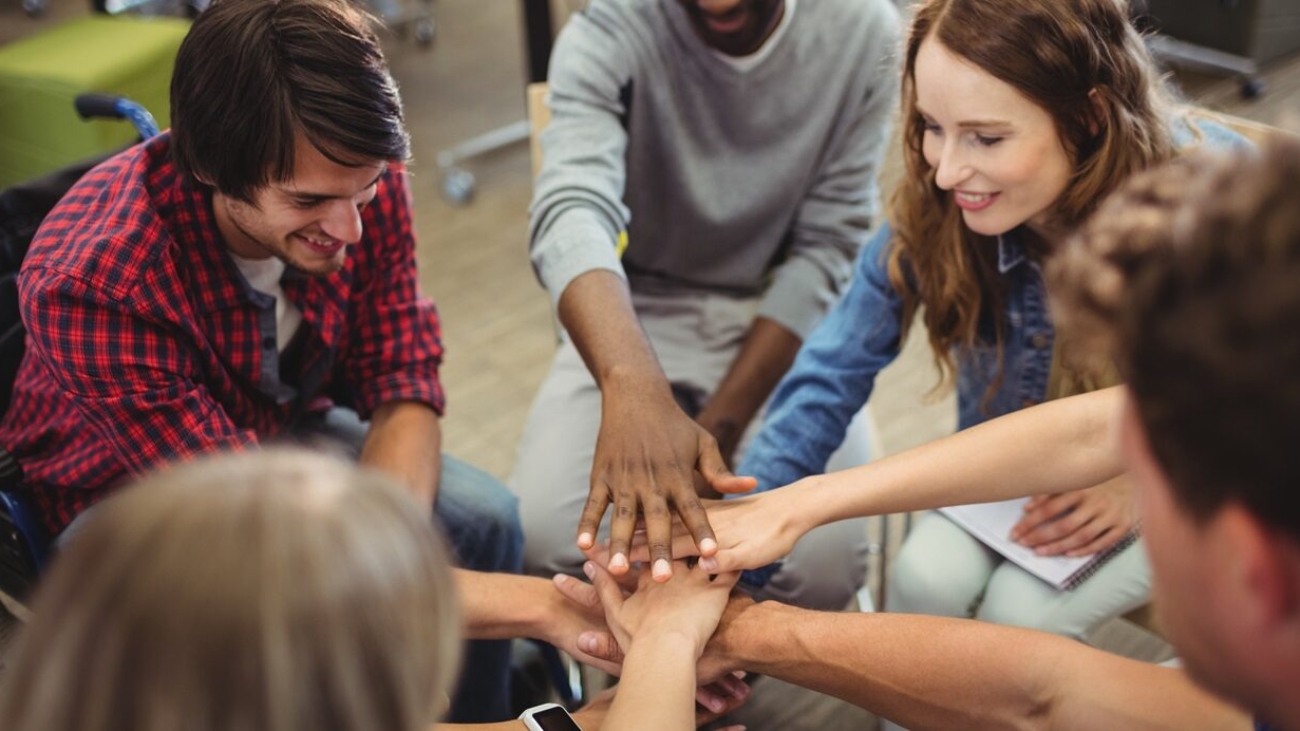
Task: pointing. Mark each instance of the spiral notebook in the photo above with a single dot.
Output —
(991, 523)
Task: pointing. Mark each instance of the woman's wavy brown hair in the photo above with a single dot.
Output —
(1055, 53)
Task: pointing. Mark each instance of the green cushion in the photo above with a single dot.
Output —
(40, 76)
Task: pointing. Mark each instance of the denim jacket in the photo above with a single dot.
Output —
(836, 368)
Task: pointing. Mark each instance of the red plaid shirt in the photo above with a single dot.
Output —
(145, 343)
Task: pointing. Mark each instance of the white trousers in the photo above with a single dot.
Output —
(942, 570)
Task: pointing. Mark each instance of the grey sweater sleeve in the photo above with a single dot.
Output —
(577, 211)
(842, 208)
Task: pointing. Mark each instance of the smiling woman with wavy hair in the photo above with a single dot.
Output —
(1086, 66)
(1019, 117)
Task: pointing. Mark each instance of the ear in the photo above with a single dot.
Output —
(1267, 567)
(1097, 115)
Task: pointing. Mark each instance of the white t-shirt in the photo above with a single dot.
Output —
(264, 276)
(745, 63)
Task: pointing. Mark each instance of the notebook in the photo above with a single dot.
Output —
(991, 523)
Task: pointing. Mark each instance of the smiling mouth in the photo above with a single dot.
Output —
(323, 247)
(727, 23)
(974, 201)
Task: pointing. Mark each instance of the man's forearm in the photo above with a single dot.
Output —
(405, 441)
(765, 356)
(596, 310)
(942, 673)
(504, 606)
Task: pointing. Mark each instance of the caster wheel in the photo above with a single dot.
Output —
(458, 186)
(1252, 88)
(425, 29)
(34, 8)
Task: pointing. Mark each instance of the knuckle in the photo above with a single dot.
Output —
(625, 511)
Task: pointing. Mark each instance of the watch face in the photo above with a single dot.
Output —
(555, 719)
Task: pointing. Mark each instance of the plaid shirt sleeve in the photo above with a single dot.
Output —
(129, 374)
(394, 346)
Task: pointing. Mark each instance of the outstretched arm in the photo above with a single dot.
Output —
(505, 606)
(1056, 447)
(940, 673)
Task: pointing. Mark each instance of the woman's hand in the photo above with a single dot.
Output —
(751, 533)
(1078, 523)
(689, 605)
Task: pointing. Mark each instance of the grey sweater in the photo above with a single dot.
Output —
(760, 181)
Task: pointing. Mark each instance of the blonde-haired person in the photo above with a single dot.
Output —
(1018, 117)
(275, 591)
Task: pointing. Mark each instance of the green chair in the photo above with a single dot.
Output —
(40, 76)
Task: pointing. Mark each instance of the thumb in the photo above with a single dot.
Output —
(578, 592)
(713, 468)
(611, 595)
(601, 646)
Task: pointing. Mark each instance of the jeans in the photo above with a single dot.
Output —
(480, 519)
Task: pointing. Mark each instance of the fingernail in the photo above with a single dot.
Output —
(708, 545)
(738, 674)
(716, 704)
(560, 579)
(662, 569)
(589, 569)
(619, 561)
(710, 565)
(586, 644)
(585, 540)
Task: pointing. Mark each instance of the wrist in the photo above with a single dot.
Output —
(670, 637)
(540, 605)
(802, 505)
(743, 639)
(633, 379)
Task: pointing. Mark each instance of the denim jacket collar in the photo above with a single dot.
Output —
(1011, 251)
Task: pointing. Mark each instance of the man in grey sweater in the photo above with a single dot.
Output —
(708, 176)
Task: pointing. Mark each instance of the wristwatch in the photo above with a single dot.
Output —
(548, 717)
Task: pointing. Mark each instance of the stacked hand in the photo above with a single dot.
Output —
(751, 532)
(648, 456)
(640, 610)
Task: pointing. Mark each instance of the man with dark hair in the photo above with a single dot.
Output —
(250, 276)
(1191, 274)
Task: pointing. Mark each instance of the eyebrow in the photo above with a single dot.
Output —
(971, 122)
(327, 196)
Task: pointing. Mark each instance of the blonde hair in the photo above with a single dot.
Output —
(275, 591)
(1057, 53)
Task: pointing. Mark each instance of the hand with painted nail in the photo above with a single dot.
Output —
(662, 629)
(752, 532)
(648, 454)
